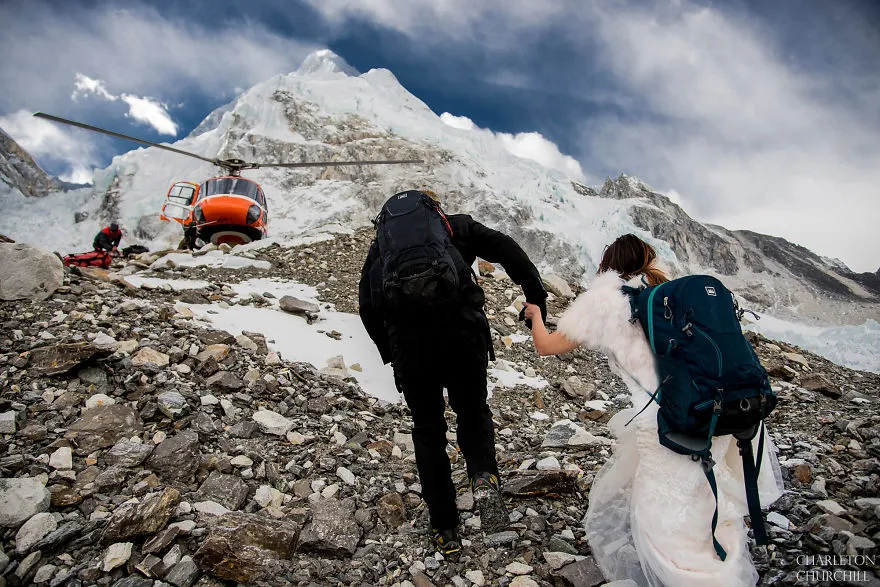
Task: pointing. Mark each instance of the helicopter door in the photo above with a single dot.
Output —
(179, 202)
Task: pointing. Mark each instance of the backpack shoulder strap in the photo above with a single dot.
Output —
(633, 294)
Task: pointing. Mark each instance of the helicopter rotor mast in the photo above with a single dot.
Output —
(232, 166)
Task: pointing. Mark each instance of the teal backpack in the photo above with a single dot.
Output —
(711, 381)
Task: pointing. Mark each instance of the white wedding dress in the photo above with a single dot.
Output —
(650, 509)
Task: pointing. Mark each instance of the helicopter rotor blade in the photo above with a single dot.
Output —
(338, 163)
(120, 136)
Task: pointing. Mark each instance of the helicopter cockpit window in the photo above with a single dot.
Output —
(181, 194)
(231, 185)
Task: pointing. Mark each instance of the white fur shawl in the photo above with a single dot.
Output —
(599, 319)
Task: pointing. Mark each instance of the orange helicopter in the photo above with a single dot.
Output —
(224, 209)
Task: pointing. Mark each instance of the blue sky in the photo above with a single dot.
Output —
(758, 115)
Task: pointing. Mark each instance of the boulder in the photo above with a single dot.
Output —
(557, 286)
(21, 498)
(138, 519)
(391, 510)
(296, 306)
(227, 490)
(128, 453)
(582, 573)
(28, 272)
(333, 530)
(61, 358)
(533, 483)
(244, 547)
(102, 426)
(272, 423)
(176, 458)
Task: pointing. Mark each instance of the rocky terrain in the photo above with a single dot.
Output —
(140, 447)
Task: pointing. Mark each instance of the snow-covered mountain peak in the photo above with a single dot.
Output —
(323, 113)
(326, 61)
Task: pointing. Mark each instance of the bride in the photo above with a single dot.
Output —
(650, 509)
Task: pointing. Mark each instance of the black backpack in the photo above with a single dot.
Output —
(711, 381)
(421, 268)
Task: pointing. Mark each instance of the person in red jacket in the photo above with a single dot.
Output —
(108, 239)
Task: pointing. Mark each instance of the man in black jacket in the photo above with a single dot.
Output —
(108, 239)
(449, 350)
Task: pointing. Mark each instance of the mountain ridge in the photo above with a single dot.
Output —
(327, 111)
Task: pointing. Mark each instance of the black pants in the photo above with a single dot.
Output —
(425, 363)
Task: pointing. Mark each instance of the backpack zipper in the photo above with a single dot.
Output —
(715, 346)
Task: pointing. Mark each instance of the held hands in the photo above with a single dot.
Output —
(532, 315)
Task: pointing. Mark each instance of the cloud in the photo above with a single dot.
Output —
(528, 145)
(744, 138)
(84, 85)
(532, 145)
(711, 101)
(138, 49)
(146, 110)
(43, 139)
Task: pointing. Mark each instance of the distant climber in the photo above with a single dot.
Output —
(108, 239)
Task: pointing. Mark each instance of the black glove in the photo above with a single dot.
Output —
(542, 305)
(522, 316)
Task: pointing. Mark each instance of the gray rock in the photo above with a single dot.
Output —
(7, 422)
(103, 426)
(28, 272)
(332, 530)
(28, 564)
(112, 477)
(296, 306)
(582, 573)
(244, 429)
(44, 574)
(575, 388)
(160, 541)
(147, 517)
(243, 547)
(184, 573)
(128, 453)
(501, 538)
(227, 490)
(176, 458)
(34, 530)
(224, 380)
(567, 433)
(21, 498)
(61, 358)
(558, 544)
(133, 581)
(172, 404)
(532, 483)
(272, 423)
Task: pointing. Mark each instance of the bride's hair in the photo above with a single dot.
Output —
(630, 256)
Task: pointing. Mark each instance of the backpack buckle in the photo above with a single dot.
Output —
(716, 407)
(707, 462)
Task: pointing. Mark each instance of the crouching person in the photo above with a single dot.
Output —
(421, 305)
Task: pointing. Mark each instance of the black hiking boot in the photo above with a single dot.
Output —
(447, 542)
(487, 498)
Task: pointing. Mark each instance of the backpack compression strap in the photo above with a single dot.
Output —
(708, 463)
(750, 476)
